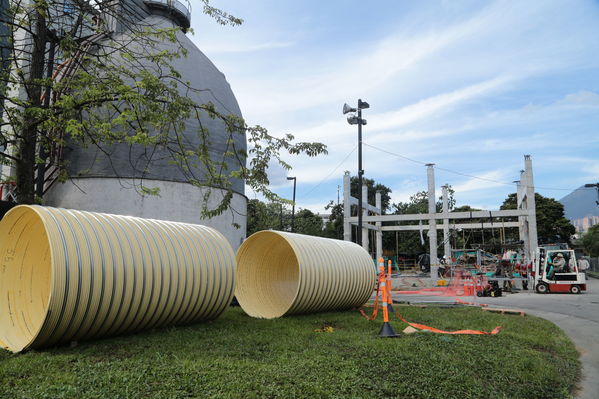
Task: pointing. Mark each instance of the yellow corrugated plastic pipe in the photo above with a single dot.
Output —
(69, 275)
(284, 273)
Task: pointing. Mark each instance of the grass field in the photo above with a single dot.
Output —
(240, 357)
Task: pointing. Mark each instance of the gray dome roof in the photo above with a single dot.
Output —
(129, 162)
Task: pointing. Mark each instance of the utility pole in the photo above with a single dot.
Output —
(293, 205)
(358, 120)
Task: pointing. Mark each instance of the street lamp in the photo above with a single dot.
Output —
(357, 120)
(595, 185)
(293, 205)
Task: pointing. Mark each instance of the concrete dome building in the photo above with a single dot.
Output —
(104, 181)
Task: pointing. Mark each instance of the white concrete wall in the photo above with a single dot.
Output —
(178, 202)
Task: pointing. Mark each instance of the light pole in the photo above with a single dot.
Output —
(596, 185)
(357, 120)
(293, 205)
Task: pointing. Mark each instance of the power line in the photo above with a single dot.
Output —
(469, 175)
(330, 174)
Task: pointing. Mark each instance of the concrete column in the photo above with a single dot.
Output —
(432, 223)
(346, 207)
(365, 238)
(446, 241)
(520, 200)
(379, 232)
(531, 203)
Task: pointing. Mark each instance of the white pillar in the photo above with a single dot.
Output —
(446, 241)
(531, 203)
(379, 232)
(365, 240)
(346, 207)
(432, 223)
(520, 201)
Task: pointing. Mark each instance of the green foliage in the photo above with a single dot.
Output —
(372, 189)
(552, 225)
(408, 242)
(277, 216)
(261, 216)
(237, 356)
(333, 228)
(126, 92)
(307, 222)
(590, 241)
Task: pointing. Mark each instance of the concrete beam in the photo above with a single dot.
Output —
(366, 226)
(365, 206)
(450, 216)
(463, 226)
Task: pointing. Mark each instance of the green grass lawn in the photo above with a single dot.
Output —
(240, 357)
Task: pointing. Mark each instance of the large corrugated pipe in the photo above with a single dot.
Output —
(284, 273)
(69, 275)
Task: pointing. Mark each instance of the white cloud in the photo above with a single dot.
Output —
(432, 106)
(582, 98)
(244, 47)
(487, 180)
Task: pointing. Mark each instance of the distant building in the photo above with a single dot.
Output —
(584, 224)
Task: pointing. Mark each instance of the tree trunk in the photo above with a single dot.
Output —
(27, 137)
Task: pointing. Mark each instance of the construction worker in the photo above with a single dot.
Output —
(583, 265)
(559, 262)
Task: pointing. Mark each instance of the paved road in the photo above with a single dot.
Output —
(576, 315)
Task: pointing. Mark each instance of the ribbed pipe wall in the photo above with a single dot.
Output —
(282, 273)
(68, 275)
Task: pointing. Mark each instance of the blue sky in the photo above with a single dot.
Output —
(471, 86)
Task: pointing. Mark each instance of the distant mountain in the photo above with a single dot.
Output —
(580, 203)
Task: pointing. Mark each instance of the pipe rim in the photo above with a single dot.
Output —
(25, 341)
(252, 304)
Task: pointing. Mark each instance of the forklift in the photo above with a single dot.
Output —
(556, 270)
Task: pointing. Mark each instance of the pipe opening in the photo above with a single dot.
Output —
(25, 277)
(267, 275)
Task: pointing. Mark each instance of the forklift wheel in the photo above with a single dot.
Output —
(575, 289)
(542, 288)
(479, 294)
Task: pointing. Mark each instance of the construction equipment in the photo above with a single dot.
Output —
(556, 270)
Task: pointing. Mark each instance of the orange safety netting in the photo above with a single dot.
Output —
(461, 284)
(449, 291)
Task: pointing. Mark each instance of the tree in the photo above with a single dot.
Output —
(337, 216)
(373, 187)
(277, 216)
(408, 242)
(306, 222)
(123, 90)
(552, 225)
(590, 241)
(262, 216)
(333, 228)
